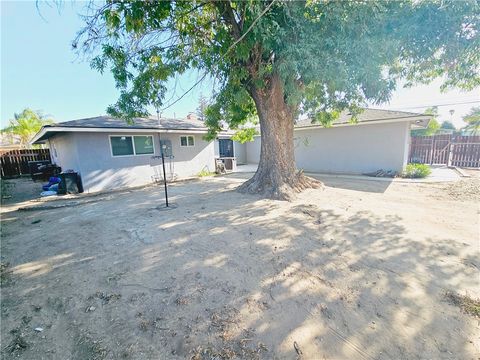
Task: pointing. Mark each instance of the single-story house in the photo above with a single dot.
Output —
(108, 153)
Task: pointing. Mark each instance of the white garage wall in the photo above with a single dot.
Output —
(347, 149)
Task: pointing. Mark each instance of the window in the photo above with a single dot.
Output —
(143, 145)
(187, 141)
(121, 145)
(131, 145)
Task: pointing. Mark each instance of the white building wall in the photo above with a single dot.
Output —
(101, 171)
(347, 149)
(63, 151)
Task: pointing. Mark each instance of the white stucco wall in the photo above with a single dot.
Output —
(347, 149)
(101, 171)
(63, 151)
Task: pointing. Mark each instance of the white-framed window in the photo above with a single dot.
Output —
(129, 145)
(187, 141)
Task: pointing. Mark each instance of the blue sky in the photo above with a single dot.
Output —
(39, 70)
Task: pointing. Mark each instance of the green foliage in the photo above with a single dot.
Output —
(330, 55)
(473, 120)
(205, 172)
(416, 171)
(26, 124)
(447, 125)
(432, 127)
(202, 107)
(244, 135)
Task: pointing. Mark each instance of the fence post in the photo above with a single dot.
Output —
(450, 153)
(432, 149)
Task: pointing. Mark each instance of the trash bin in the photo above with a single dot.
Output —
(71, 183)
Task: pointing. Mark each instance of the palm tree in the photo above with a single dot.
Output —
(25, 125)
(473, 120)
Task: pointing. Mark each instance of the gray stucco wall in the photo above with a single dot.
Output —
(101, 171)
(347, 149)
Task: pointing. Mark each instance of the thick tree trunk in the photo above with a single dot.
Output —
(276, 176)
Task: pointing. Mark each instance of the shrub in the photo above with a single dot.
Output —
(205, 172)
(416, 171)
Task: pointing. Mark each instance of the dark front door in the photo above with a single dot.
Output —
(226, 147)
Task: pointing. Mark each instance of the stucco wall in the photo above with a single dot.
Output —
(240, 153)
(347, 149)
(100, 170)
(63, 151)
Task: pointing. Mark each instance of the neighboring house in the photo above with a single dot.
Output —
(109, 153)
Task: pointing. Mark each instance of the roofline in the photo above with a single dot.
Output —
(369, 122)
(49, 128)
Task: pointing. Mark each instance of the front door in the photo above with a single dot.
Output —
(225, 148)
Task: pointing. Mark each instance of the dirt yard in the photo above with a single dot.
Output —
(359, 270)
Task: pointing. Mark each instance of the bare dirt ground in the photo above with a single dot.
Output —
(358, 270)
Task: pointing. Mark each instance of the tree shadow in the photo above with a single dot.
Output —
(227, 275)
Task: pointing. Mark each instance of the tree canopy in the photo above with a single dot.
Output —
(447, 125)
(277, 60)
(330, 55)
(26, 124)
(433, 125)
(473, 120)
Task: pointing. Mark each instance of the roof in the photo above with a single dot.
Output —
(152, 124)
(110, 124)
(372, 116)
(138, 123)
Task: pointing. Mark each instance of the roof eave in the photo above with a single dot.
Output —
(39, 137)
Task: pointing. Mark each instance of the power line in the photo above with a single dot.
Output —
(450, 104)
(228, 50)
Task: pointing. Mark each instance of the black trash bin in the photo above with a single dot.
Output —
(71, 183)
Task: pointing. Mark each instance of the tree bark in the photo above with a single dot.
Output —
(276, 176)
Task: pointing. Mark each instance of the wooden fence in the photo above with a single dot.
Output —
(15, 162)
(451, 150)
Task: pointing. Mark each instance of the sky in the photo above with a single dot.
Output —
(40, 70)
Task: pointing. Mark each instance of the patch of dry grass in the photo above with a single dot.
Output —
(465, 303)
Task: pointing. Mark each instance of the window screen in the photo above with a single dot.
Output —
(143, 145)
(121, 145)
(190, 141)
(183, 141)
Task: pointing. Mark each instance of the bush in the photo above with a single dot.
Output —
(416, 171)
(205, 172)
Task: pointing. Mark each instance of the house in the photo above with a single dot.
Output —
(380, 139)
(109, 153)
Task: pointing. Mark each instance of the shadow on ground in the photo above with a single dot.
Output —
(229, 276)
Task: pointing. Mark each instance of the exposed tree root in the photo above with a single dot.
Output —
(279, 188)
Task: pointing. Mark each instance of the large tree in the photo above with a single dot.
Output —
(281, 59)
(26, 124)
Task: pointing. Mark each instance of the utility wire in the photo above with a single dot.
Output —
(422, 106)
(228, 50)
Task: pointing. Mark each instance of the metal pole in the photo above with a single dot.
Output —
(163, 160)
(164, 179)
